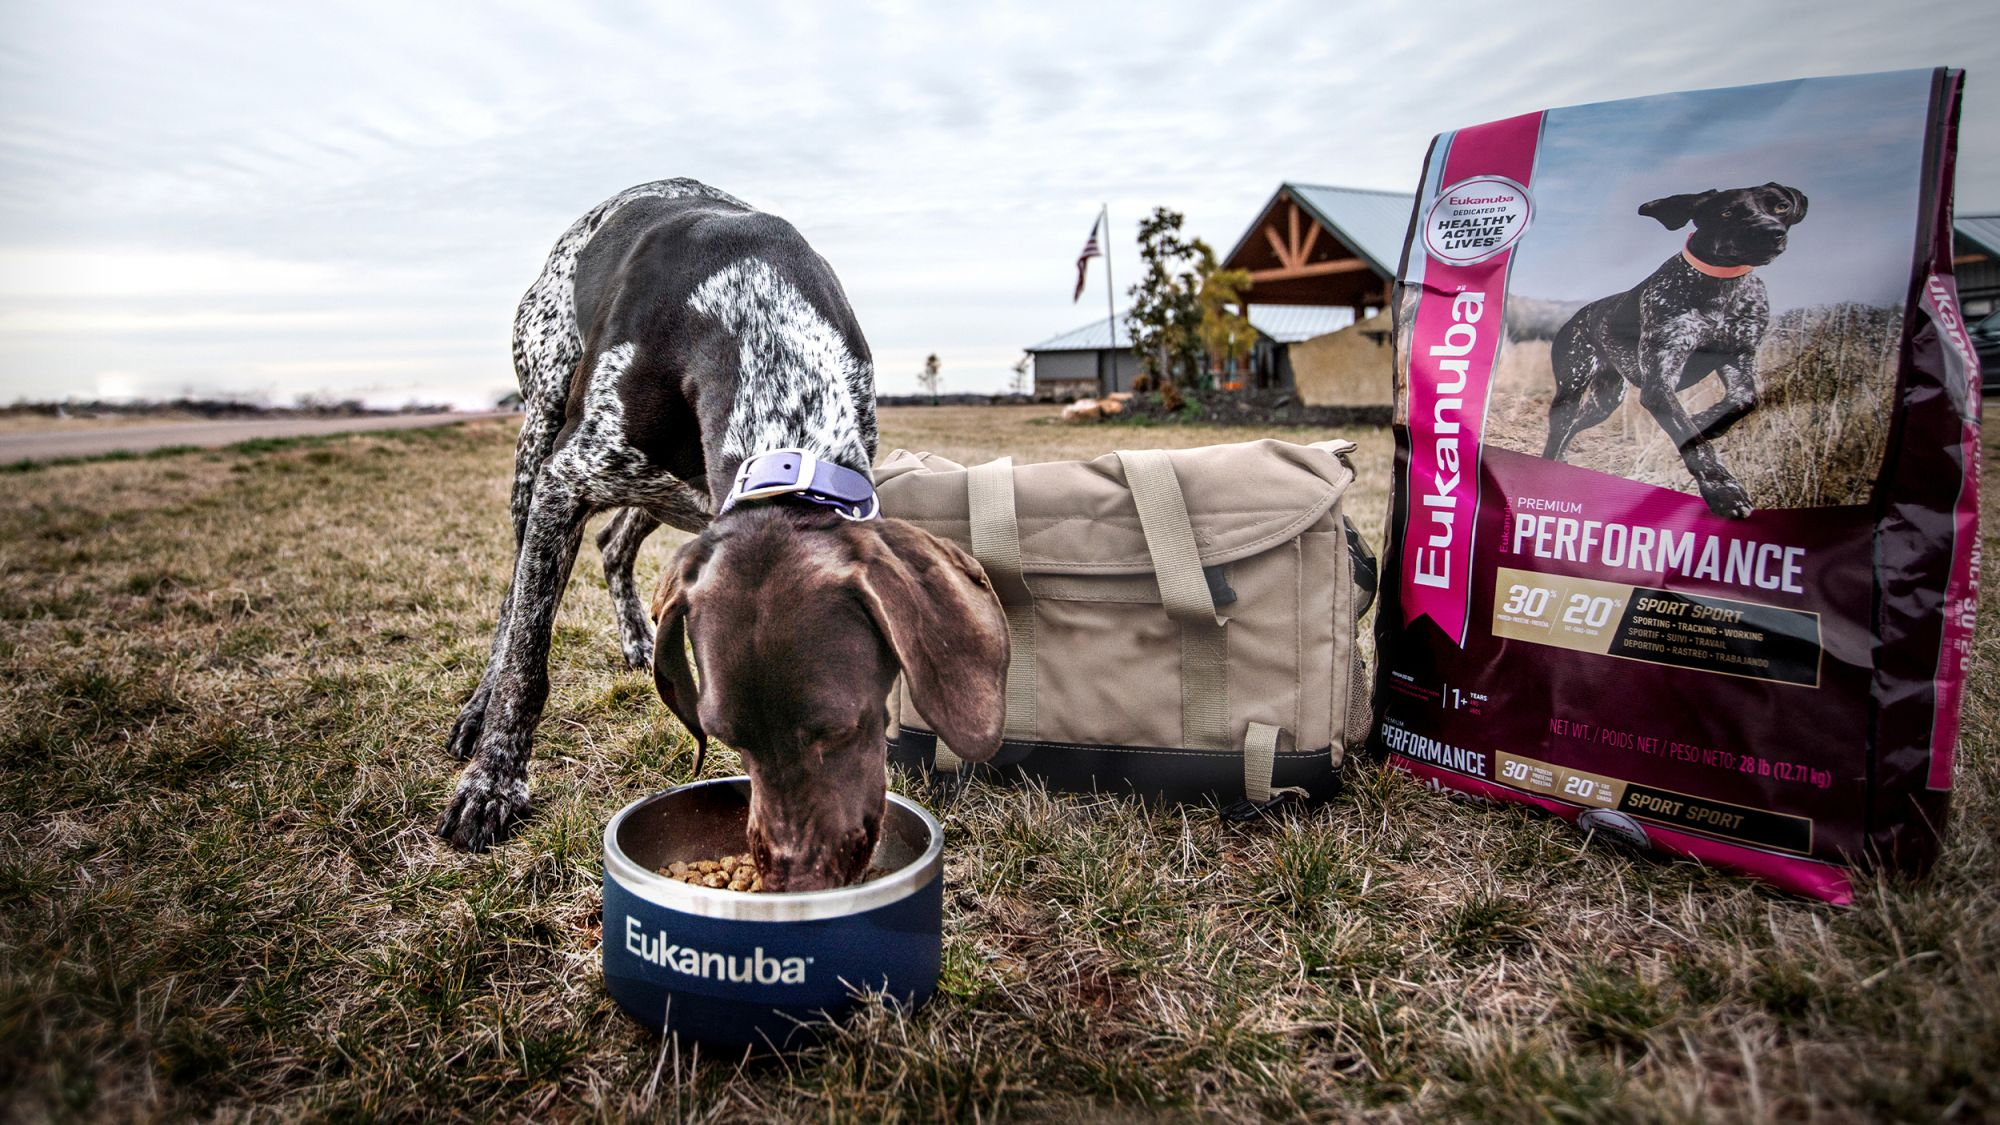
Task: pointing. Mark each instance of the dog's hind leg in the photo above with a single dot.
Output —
(677, 504)
(493, 791)
(619, 543)
(670, 502)
(1587, 390)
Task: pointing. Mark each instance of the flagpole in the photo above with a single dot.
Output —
(1110, 309)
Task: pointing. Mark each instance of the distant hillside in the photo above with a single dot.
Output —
(1535, 318)
(218, 408)
(962, 398)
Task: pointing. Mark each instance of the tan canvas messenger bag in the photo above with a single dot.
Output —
(1181, 623)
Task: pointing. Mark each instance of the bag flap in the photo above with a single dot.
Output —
(902, 461)
(1077, 517)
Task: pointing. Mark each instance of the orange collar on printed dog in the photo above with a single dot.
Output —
(1725, 272)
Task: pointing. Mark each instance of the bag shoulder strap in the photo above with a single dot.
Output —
(996, 543)
(1170, 540)
(1163, 517)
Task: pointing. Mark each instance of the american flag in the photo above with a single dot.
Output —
(1090, 250)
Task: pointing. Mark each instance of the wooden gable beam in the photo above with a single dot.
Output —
(1306, 249)
(1293, 246)
(1315, 269)
(1278, 247)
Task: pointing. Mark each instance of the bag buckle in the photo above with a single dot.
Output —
(1248, 810)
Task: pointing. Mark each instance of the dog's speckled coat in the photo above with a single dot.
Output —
(1678, 327)
(672, 332)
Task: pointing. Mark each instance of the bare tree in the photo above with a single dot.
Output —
(1023, 382)
(929, 378)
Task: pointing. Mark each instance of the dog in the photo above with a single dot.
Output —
(1703, 312)
(675, 341)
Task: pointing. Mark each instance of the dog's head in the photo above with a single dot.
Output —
(1734, 227)
(799, 622)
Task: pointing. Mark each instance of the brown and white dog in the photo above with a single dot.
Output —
(674, 335)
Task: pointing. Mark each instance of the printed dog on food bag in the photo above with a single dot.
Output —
(1702, 313)
(674, 337)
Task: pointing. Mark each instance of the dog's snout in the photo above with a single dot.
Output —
(806, 863)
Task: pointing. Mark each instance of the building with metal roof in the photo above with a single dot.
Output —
(1082, 362)
(1283, 324)
(1976, 260)
(1321, 247)
(1317, 245)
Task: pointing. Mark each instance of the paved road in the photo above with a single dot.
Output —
(44, 445)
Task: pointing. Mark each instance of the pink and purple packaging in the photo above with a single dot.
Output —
(1684, 538)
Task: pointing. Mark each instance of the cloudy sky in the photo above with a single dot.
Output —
(275, 199)
(1854, 148)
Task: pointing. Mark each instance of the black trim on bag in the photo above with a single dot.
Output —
(1366, 578)
(1167, 773)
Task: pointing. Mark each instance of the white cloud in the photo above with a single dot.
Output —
(90, 272)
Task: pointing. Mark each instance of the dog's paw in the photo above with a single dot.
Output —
(638, 653)
(484, 811)
(464, 737)
(1726, 498)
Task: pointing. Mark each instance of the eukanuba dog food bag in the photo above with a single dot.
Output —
(1683, 544)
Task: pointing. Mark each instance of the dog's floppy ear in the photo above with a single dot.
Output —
(1798, 201)
(1674, 211)
(670, 666)
(939, 614)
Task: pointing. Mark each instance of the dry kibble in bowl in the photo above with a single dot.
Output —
(734, 873)
(731, 872)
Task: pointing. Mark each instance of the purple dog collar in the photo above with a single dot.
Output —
(797, 472)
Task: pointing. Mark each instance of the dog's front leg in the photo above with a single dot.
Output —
(1739, 396)
(1662, 356)
(493, 791)
(531, 452)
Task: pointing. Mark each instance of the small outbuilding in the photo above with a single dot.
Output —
(1085, 362)
(1976, 261)
(1081, 363)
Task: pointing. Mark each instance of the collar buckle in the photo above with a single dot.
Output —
(801, 473)
(764, 475)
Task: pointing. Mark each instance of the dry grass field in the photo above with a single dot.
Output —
(225, 681)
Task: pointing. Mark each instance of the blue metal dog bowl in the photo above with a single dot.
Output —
(738, 969)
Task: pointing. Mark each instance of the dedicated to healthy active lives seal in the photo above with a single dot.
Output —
(1474, 219)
